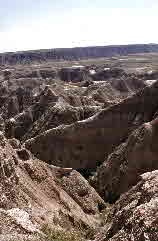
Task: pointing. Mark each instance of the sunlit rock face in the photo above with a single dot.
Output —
(134, 215)
(33, 194)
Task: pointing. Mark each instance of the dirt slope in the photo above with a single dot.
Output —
(85, 143)
(33, 193)
(135, 215)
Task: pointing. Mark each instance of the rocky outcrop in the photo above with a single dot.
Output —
(114, 90)
(20, 88)
(135, 215)
(19, 125)
(33, 194)
(71, 74)
(124, 166)
(59, 115)
(23, 90)
(85, 143)
(54, 105)
(106, 118)
(13, 107)
(48, 110)
(108, 73)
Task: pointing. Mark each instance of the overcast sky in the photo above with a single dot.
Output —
(39, 24)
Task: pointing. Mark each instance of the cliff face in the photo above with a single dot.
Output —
(75, 53)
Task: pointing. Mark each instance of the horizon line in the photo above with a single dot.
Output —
(88, 46)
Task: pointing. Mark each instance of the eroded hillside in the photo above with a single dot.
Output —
(61, 125)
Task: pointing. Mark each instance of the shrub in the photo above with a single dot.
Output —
(60, 235)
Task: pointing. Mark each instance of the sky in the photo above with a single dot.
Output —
(42, 24)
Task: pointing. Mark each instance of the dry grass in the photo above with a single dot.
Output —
(60, 235)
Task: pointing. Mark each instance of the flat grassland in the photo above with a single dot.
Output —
(130, 63)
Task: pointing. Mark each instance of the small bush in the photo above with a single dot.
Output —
(60, 235)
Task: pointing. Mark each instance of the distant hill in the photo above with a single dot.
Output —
(75, 53)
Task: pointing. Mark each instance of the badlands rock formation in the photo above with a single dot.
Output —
(85, 143)
(102, 123)
(33, 193)
(122, 169)
(135, 215)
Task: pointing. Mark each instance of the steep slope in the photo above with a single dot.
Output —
(135, 215)
(85, 143)
(36, 111)
(59, 115)
(124, 166)
(33, 194)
